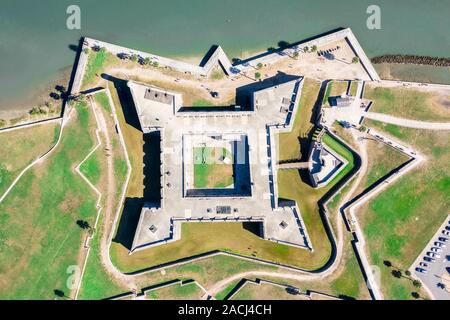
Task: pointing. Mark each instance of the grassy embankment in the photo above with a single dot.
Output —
(190, 291)
(400, 221)
(39, 235)
(23, 146)
(96, 283)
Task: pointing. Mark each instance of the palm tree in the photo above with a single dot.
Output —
(314, 48)
(257, 75)
(259, 65)
(355, 60)
(295, 54)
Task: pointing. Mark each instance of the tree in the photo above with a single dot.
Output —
(417, 284)
(83, 224)
(355, 60)
(257, 75)
(86, 50)
(59, 293)
(415, 295)
(397, 273)
(147, 61)
(295, 54)
(156, 64)
(408, 273)
(134, 58)
(259, 65)
(306, 49)
(314, 48)
(387, 263)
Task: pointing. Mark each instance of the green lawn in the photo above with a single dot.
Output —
(344, 152)
(21, 147)
(91, 168)
(210, 171)
(102, 99)
(96, 282)
(189, 291)
(409, 103)
(39, 236)
(202, 103)
(96, 62)
(400, 221)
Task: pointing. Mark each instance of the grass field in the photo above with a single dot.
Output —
(189, 291)
(96, 282)
(21, 147)
(39, 235)
(210, 171)
(91, 168)
(409, 103)
(252, 291)
(96, 62)
(400, 221)
(197, 238)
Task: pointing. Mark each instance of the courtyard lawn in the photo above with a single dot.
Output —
(210, 169)
(409, 103)
(39, 236)
(400, 221)
(21, 147)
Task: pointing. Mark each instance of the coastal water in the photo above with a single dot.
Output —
(34, 39)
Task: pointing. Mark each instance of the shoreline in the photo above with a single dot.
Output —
(412, 59)
(21, 106)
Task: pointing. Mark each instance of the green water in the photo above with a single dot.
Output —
(34, 40)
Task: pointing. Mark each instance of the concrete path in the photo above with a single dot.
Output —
(416, 124)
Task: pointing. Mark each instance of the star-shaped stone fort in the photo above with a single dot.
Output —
(218, 163)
